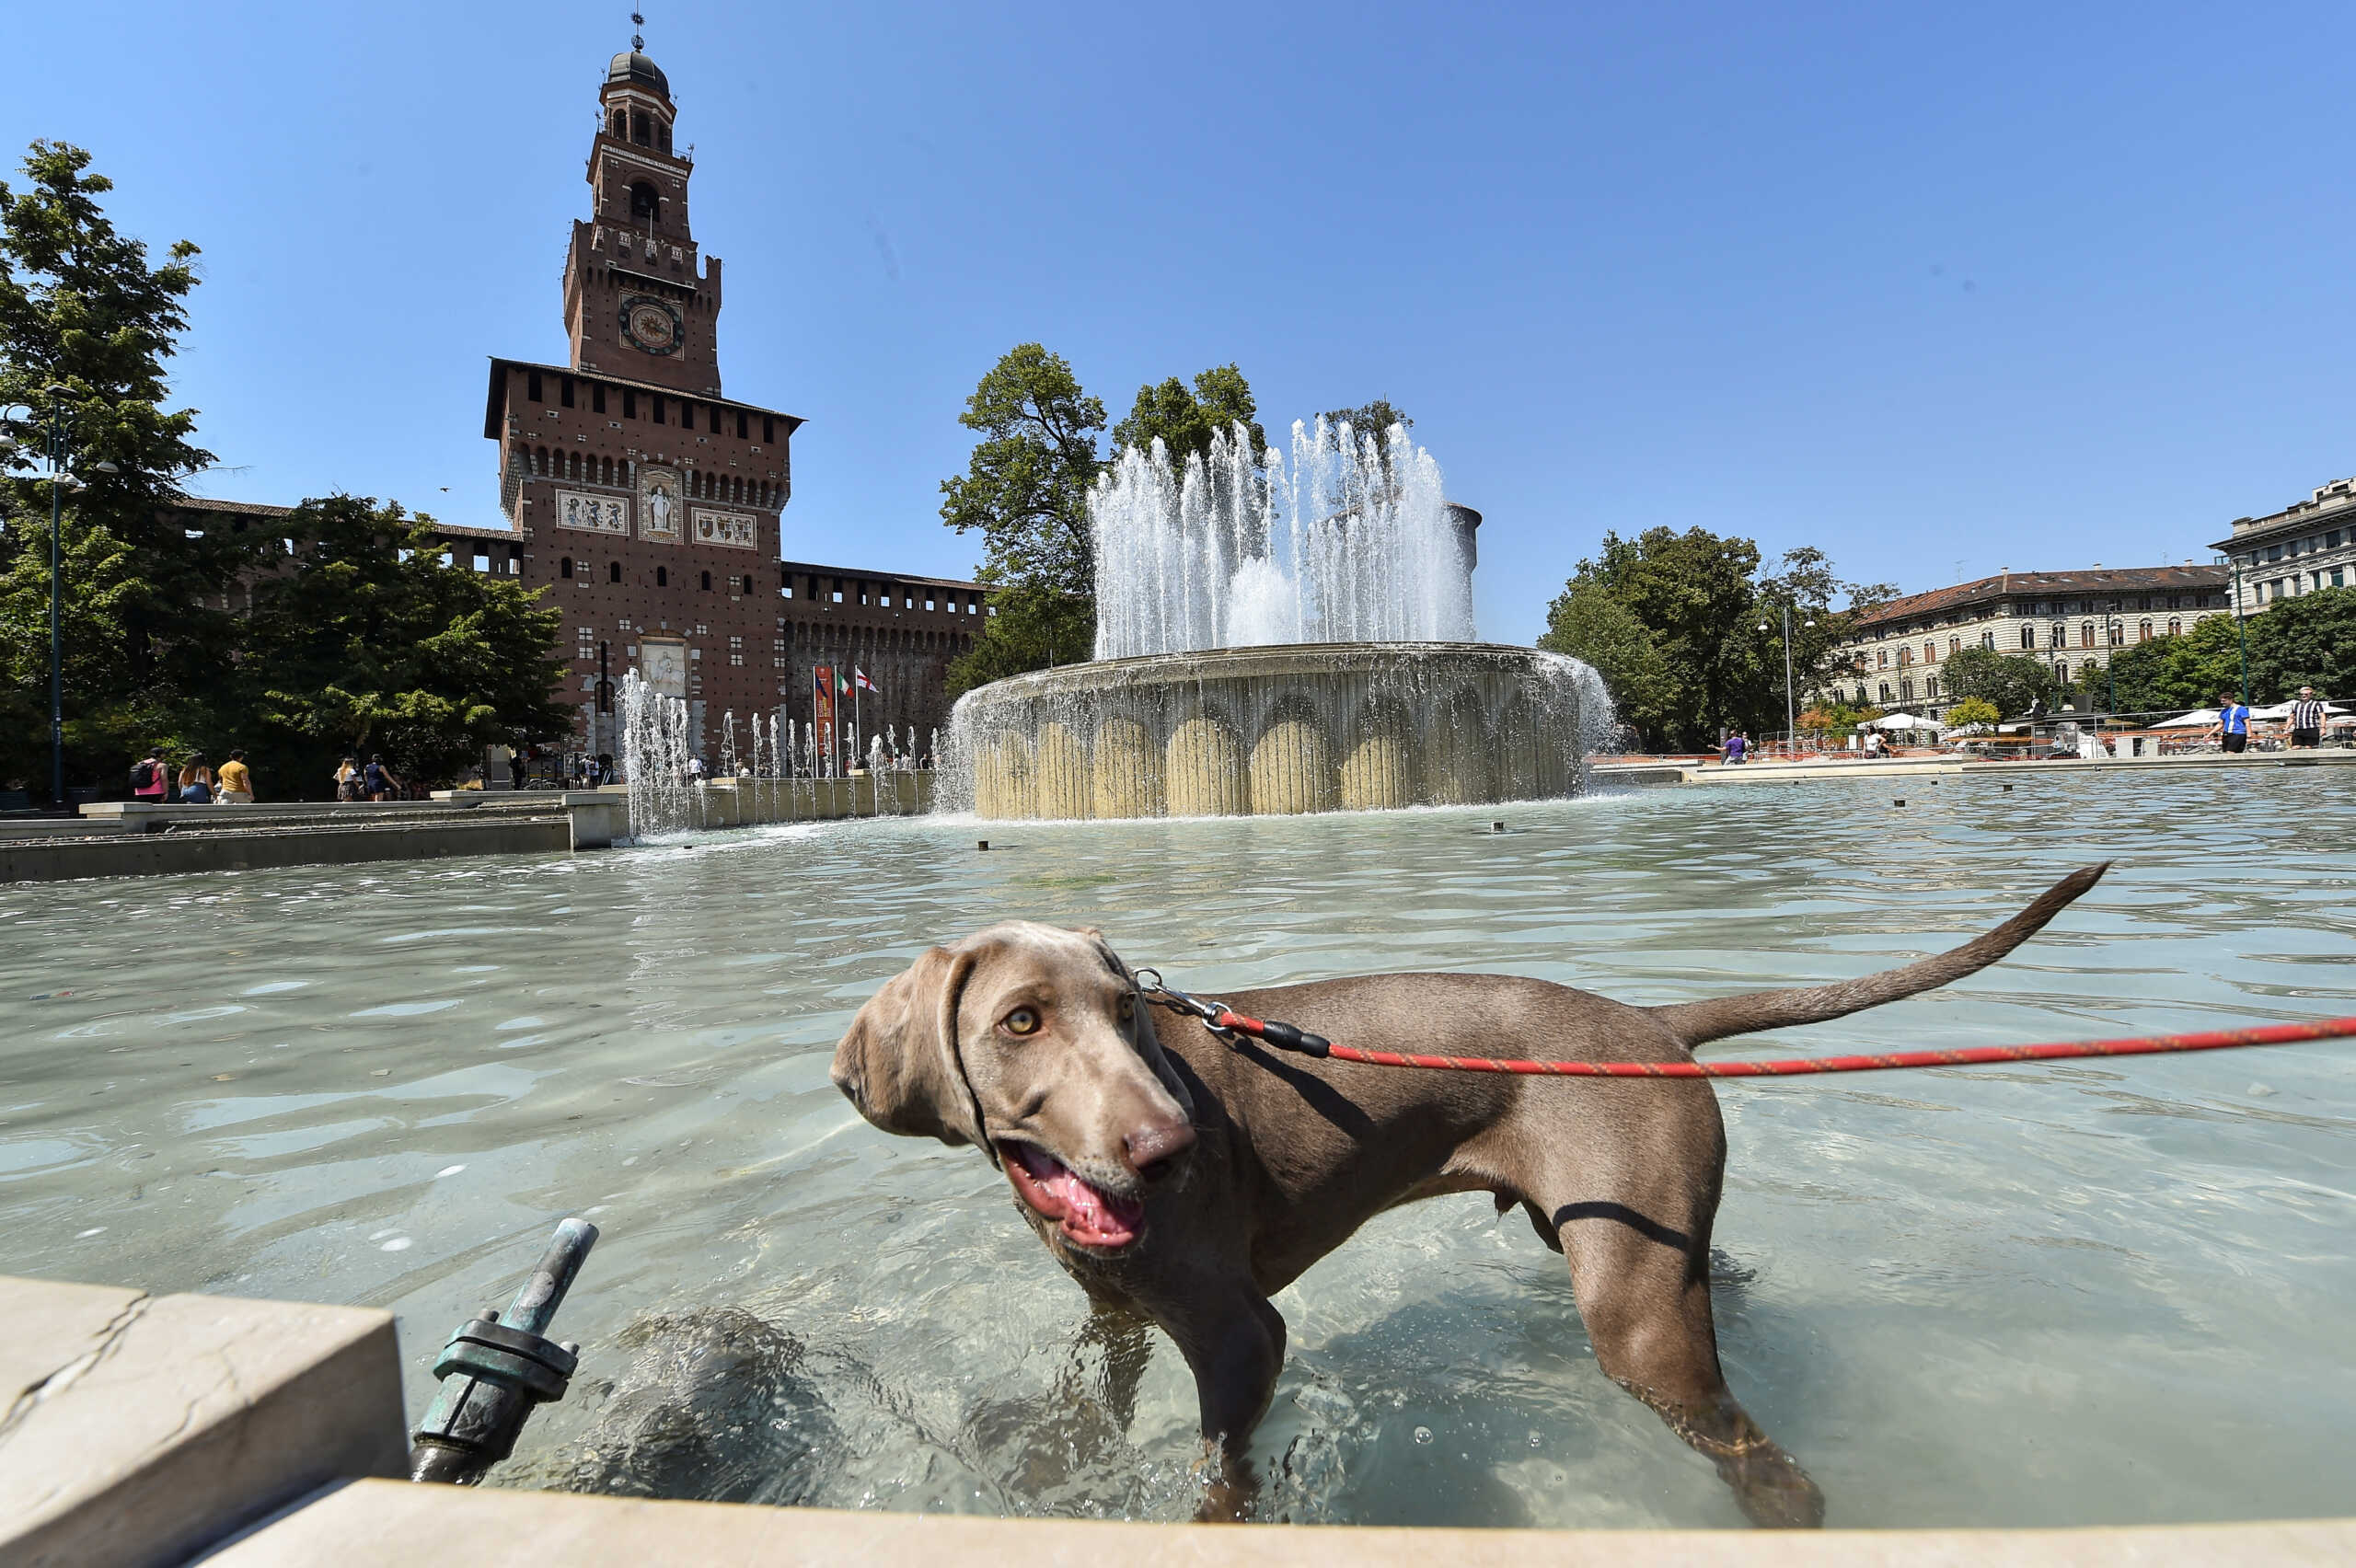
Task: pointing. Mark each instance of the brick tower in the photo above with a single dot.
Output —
(639, 302)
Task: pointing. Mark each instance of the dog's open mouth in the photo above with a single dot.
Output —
(1086, 1215)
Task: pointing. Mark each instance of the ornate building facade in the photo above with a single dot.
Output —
(651, 504)
(2305, 548)
(2069, 620)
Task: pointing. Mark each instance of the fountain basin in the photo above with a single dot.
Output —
(1274, 732)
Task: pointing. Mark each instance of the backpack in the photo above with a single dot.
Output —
(142, 776)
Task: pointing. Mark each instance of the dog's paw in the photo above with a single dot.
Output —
(1772, 1490)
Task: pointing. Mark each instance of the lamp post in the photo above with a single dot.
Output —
(1791, 719)
(2241, 622)
(56, 443)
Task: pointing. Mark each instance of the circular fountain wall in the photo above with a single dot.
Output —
(1274, 638)
(1266, 732)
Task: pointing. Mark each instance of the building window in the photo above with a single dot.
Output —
(596, 399)
(532, 384)
(2336, 577)
(661, 577)
(707, 582)
(2143, 632)
(564, 392)
(2086, 635)
(1885, 691)
(742, 420)
(2028, 637)
(2176, 626)
(613, 571)
(629, 404)
(564, 567)
(769, 431)
(715, 421)
(658, 409)
(1931, 688)
(588, 644)
(1905, 690)
(1955, 645)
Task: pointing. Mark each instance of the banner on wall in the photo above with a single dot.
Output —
(821, 712)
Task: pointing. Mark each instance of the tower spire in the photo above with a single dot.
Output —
(637, 41)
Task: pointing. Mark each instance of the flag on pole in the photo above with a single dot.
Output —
(859, 675)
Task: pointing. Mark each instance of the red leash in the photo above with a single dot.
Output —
(1224, 1020)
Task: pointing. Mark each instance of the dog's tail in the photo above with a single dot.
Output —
(1697, 1022)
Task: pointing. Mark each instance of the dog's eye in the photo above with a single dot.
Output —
(1128, 1008)
(1021, 1020)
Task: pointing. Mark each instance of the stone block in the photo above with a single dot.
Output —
(139, 1429)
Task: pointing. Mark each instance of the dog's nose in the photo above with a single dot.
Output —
(1153, 1149)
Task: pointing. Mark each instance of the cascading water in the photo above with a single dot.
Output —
(1355, 542)
(655, 748)
(1275, 638)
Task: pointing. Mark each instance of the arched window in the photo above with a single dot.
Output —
(707, 582)
(661, 577)
(645, 203)
(2176, 626)
(540, 460)
(641, 129)
(662, 137)
(1988, 641)
(1931, 688)
(2061, 638)
(621, 122)
(613, 571)
(2028, 637)
(520, 459)
(1930, 651)
(564, 567)
(2143, 632)
(1955, 645)
(1905, 657)
(2086, 635)
(2115, 633)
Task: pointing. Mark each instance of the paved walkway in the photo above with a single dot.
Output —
(1640, 770)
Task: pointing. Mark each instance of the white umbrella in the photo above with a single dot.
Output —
(2200, 718)
(2283, 711)
(1899, 721)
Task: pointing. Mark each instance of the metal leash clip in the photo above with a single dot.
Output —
(1161, 996)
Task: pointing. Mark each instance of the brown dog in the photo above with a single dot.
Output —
(1188, 1180)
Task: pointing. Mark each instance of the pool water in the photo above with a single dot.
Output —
(2067, 1294)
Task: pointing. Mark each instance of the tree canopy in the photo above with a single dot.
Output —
(1185, 421)
(369, 640)
(1699, 600)
(2010, 682)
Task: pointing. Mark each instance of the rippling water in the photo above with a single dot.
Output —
(2065, 1294)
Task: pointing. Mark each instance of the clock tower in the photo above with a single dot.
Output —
(640, 303)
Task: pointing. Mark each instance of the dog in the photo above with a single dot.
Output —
(1185, 1180)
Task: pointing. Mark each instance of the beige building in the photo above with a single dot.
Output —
(2071, 620)
(2308, 546)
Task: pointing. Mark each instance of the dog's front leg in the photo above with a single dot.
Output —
(1235, 1354)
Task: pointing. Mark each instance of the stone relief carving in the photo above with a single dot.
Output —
(592, 513)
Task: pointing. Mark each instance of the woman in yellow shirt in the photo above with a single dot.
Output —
(237, 781)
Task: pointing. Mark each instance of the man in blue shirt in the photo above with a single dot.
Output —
(2232, 724)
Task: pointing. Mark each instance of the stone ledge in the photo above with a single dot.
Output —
(391, 1525)
(138, 1429)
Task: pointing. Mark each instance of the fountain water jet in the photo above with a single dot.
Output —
(1275, 640)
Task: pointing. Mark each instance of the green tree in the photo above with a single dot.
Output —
(1185, 421)
(1026, 491)
(1805, 581)
(1588, 623)
(1693, 595)
(149, 629)
(2010, 682)
(1369, 419)
(2184, 671)
(2309, 640)
(1973, 710)
(368, 640)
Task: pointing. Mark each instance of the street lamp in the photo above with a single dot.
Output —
(2241, 621)
(1791, 719)
(56, 441)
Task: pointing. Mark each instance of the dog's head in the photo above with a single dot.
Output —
(1031, 1042)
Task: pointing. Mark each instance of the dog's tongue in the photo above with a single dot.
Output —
(1088, 1215)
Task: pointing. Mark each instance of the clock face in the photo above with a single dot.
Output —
(652, 325)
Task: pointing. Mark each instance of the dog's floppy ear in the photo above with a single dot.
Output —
(898, 1061)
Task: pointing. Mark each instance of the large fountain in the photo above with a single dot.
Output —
(1277, 638)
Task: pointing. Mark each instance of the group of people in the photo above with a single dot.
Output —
(195, 783)
(372, 780)
(2308, 714)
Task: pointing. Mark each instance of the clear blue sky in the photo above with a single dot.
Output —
(1937, 289)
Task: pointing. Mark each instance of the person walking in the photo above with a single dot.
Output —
(379, 782)
(2232, 728)
(347, 778)
(151, 779)
(237, 781)
(1737, 748)
(196, 781)
(2306, 719)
